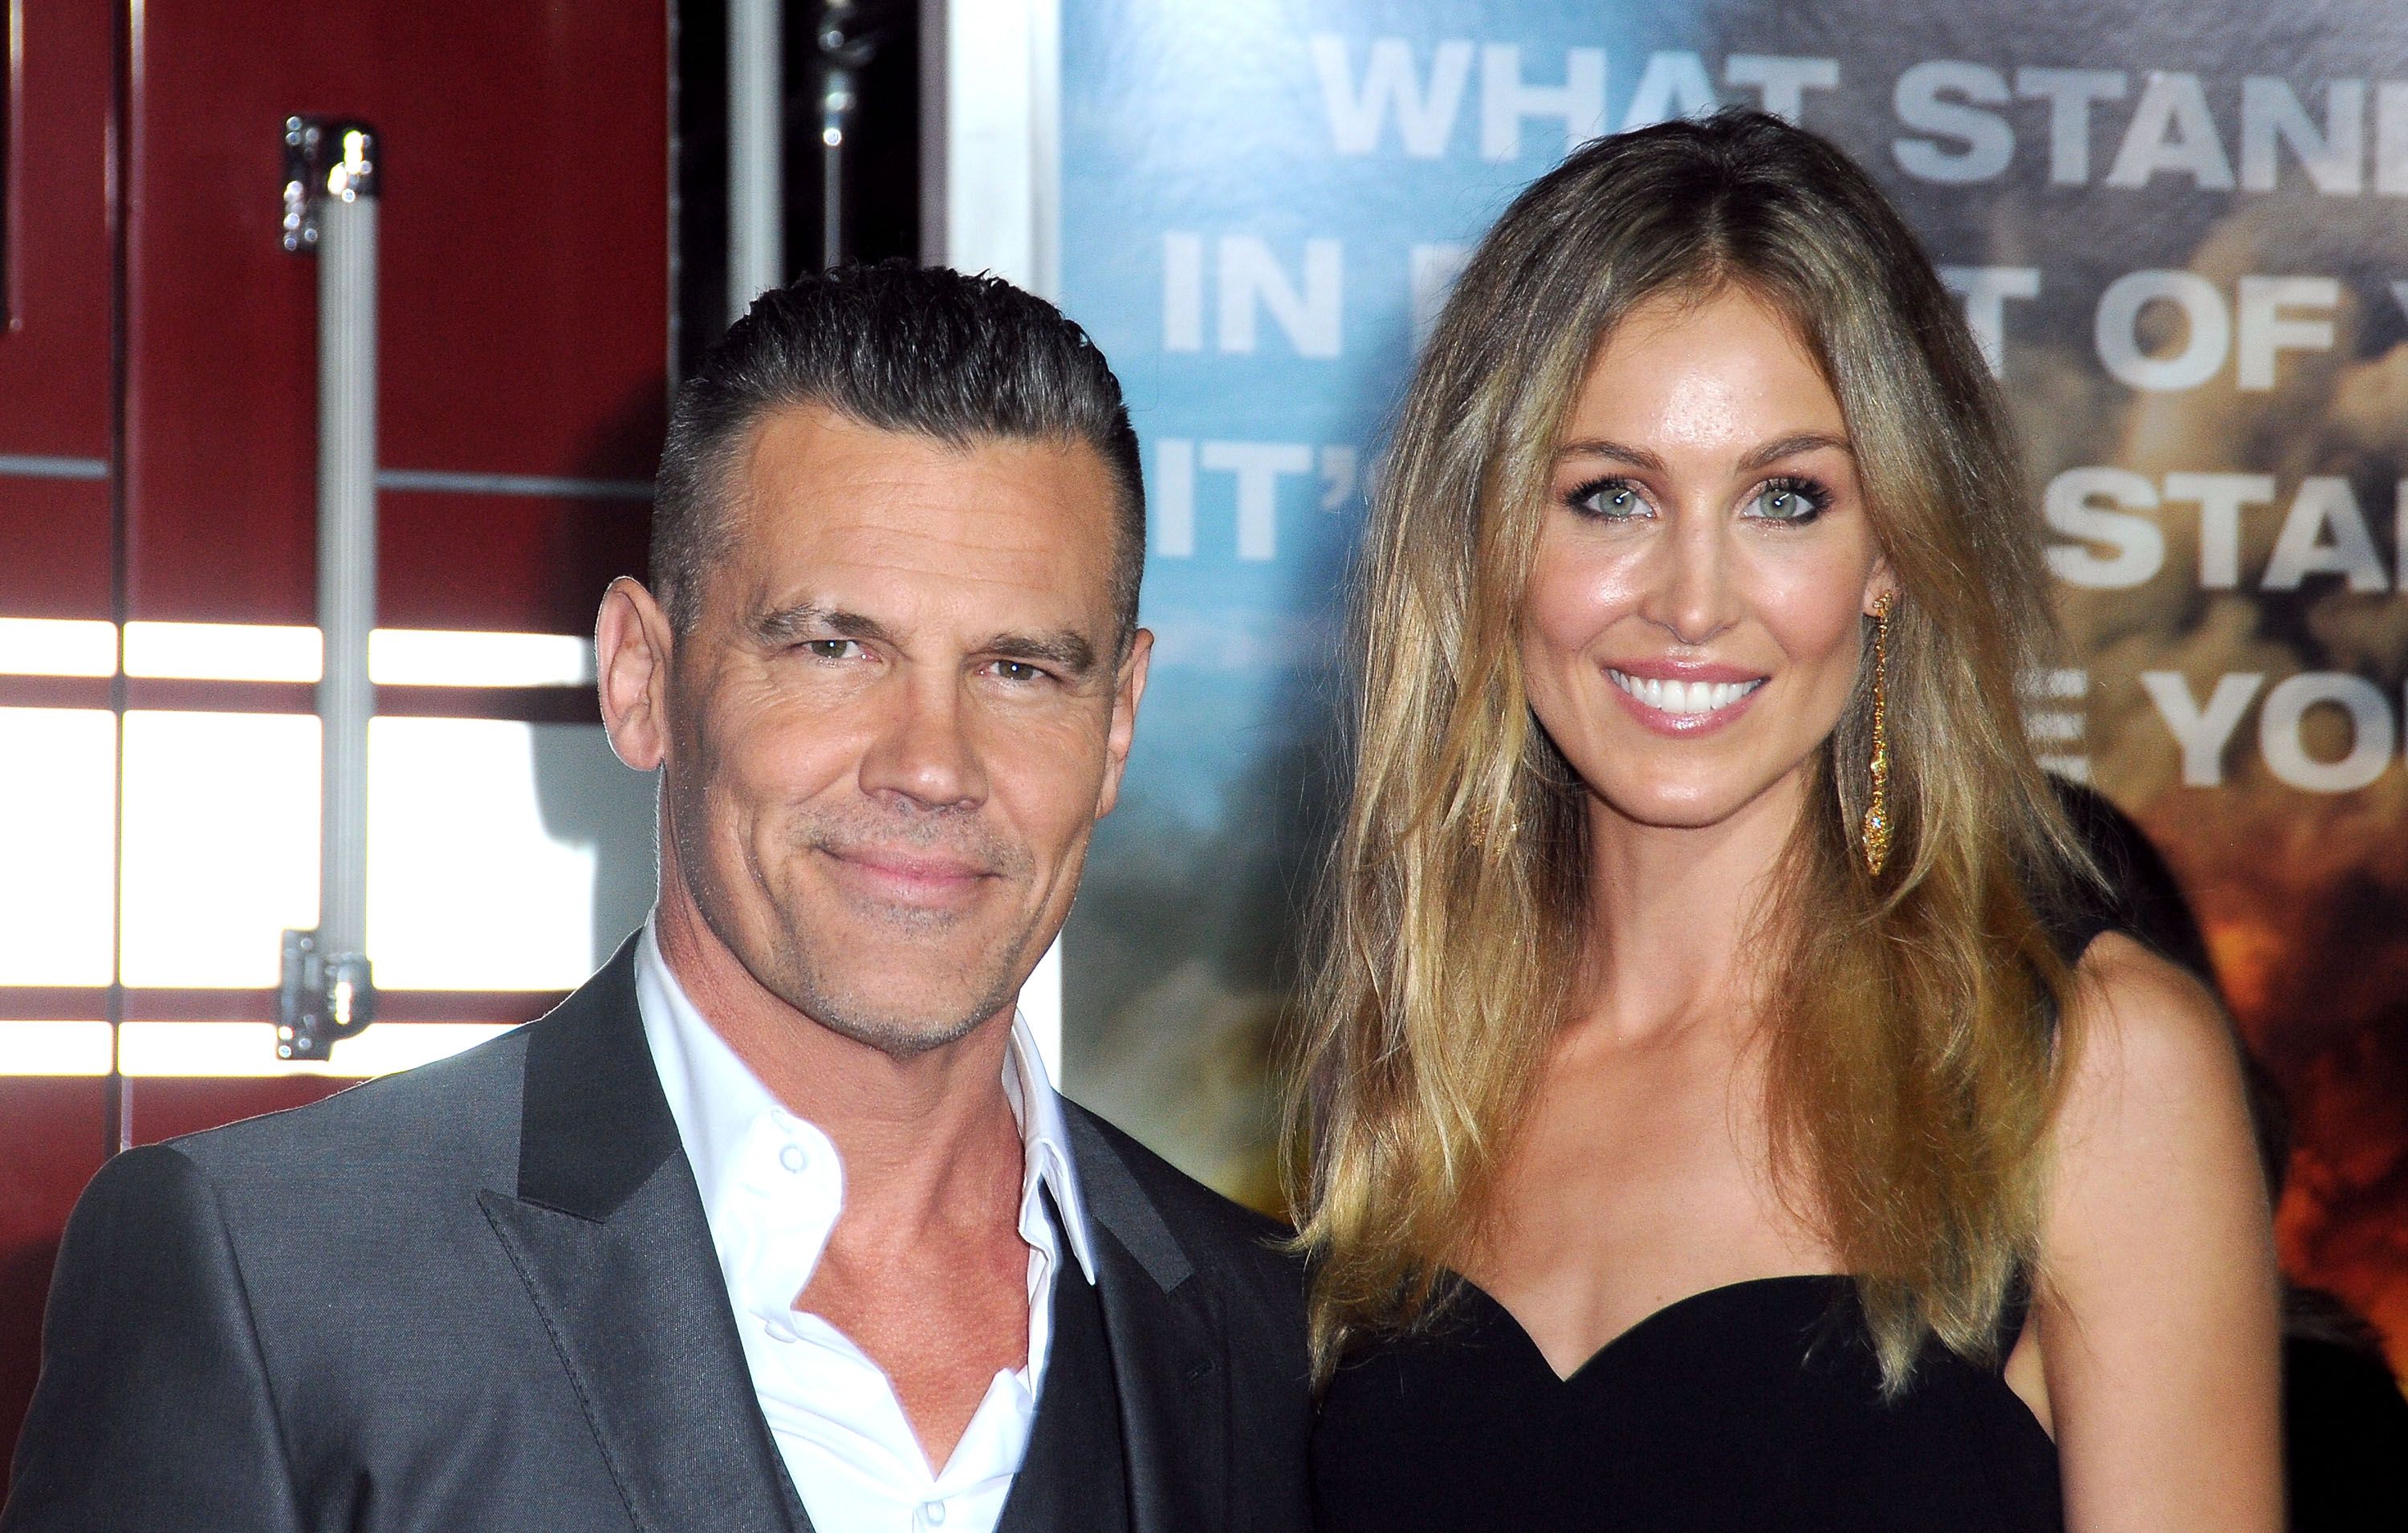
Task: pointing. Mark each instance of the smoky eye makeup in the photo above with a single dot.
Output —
(1610, 497)
(1788, 500)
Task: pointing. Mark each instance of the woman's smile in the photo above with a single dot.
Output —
(1687, 706)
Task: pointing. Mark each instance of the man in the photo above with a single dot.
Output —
(777, 1224)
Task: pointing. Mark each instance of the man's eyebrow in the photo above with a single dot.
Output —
(1062, 649)
(1065, 651)
(807, 620)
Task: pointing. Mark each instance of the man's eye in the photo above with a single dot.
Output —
(831, 648)
(1018, 670)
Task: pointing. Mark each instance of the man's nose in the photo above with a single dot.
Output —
(924, 750)
(1689, 593)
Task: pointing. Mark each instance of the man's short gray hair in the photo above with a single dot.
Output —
(900, 347)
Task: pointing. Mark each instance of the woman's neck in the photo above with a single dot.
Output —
(1676, 934)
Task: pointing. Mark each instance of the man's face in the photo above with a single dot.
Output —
(900, 713)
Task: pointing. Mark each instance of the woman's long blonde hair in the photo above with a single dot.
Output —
(1911, 1061)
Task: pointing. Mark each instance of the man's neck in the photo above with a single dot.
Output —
(928, 1140)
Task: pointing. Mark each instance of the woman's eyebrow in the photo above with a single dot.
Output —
(1638, 457)
(1770, 453)
(1790, 446)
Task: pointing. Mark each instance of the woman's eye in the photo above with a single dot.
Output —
(1788, 500)
(1609, 500)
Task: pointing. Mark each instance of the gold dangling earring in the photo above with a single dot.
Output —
(1876, 829)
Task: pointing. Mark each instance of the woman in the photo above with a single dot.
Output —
(1722, 1114)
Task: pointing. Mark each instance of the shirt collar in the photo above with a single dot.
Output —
(715, 1098)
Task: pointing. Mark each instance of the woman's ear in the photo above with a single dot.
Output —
(631, 643)
(1880, 582)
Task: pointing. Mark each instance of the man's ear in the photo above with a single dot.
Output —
(1128, 689)
(632, 646)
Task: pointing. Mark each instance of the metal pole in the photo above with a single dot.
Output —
(756, 190)
(841, 55)
(347, 557)
(330, 208)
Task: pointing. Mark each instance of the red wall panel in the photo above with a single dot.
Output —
(54, 348)
(518, 564)
(54, 547)
(524, 253)
(55, 262)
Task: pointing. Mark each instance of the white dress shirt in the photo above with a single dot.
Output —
(771, 1187)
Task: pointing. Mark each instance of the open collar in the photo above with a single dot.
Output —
(714, 1099)
(606, 1228)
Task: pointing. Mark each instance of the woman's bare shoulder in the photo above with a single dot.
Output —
(2158, 1285)
(2147, 1037)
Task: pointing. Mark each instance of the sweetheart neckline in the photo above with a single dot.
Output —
(1660, 1312)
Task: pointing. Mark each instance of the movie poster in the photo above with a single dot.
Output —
(2180, 227)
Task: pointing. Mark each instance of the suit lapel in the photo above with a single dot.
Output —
(1166, 1348)
(608, 1232)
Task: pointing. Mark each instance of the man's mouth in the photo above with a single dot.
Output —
(908, 869)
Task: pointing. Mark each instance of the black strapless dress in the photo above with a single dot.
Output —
(1756, 1406)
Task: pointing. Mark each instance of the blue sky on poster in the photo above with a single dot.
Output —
(1252, 279)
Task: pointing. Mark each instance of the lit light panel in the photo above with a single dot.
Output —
(53, 1048)
(221, 1048)
(58, 778)
(222, 651)
(220, 845)
(57, 647)
(429, 657)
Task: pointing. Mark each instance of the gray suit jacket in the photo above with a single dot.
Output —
(483, 1296)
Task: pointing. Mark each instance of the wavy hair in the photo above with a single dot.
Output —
(1913, 1054)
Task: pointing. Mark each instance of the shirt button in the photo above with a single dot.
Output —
(934, 1512)
(793, 1158)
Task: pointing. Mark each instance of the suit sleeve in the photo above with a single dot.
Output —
(153, 1410)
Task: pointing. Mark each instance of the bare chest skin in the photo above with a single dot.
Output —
(941, 1323)
(1640, 1177)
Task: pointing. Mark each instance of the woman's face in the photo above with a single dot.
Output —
(1692, 628)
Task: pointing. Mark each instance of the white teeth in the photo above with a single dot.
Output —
(1689, 697)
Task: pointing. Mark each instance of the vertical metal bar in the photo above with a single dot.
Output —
(331, 178)
(1045, 148)
(126, 41)
(832, 251)
(936, 128)
(756, 190)
(347, 558)
(841, 48)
